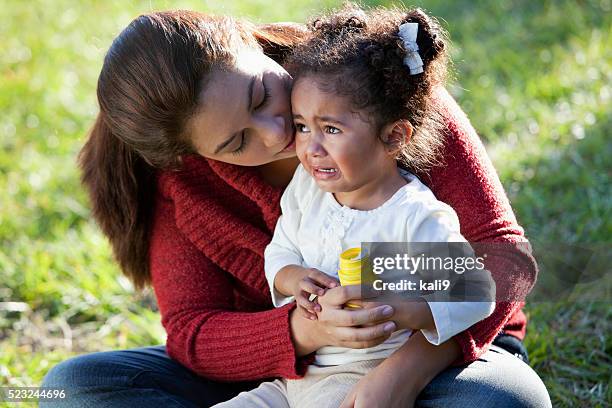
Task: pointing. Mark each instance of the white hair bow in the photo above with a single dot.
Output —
(408, 34)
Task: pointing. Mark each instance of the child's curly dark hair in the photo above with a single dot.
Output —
(359, 54)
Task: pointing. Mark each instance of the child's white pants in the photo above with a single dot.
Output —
(321, 387)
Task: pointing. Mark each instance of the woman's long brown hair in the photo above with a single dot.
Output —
(147, 90)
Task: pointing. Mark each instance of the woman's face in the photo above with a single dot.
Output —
(244, 114)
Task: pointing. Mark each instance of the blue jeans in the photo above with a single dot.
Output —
(147, 377)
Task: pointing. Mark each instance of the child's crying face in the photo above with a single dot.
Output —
(335, 144)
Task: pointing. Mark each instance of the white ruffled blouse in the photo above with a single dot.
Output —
(314, 229)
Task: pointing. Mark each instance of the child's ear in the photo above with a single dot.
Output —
(396, 135)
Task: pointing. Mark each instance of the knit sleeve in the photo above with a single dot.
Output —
(205, 332)
(468, 182)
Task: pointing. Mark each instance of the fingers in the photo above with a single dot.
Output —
(363, 337)
(310, 307)
(366, 304)
(369, 304)
(342, 294)
(322, 278)
(338, 296)
(306, 314)
(358, 317)
(310, 287)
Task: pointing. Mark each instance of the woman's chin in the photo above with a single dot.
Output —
(285, 154)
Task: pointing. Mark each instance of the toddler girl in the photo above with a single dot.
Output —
(362, 102)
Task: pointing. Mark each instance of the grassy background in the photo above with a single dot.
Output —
(535, 78)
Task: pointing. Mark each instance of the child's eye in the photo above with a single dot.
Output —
(301, 128)
(332, 130)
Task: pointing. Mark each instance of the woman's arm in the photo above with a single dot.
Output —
(467, 181)
(205, 332)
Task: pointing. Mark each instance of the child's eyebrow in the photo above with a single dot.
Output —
(328, 119)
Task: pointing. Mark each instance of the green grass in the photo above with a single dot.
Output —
(534, 78)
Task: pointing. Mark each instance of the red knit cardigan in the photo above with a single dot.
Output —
(213, 220)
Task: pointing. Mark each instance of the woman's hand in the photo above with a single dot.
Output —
(354, 328)
(336, 326)
(412, 314)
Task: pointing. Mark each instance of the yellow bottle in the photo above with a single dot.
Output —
(353, 270)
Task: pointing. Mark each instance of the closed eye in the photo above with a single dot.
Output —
(266, 97)
(243, 144)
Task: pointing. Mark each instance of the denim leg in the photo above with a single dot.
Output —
(497, 379)
(142, 377)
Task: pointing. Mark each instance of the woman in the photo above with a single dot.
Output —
(185, 166)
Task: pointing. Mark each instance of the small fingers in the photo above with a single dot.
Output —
(302, 301)
(310, 287)
(323, 278)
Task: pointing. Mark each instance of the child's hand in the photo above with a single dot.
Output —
(313, 282)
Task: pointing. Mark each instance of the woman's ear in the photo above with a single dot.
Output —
(396, 135)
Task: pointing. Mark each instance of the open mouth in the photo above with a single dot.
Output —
(325, 173)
